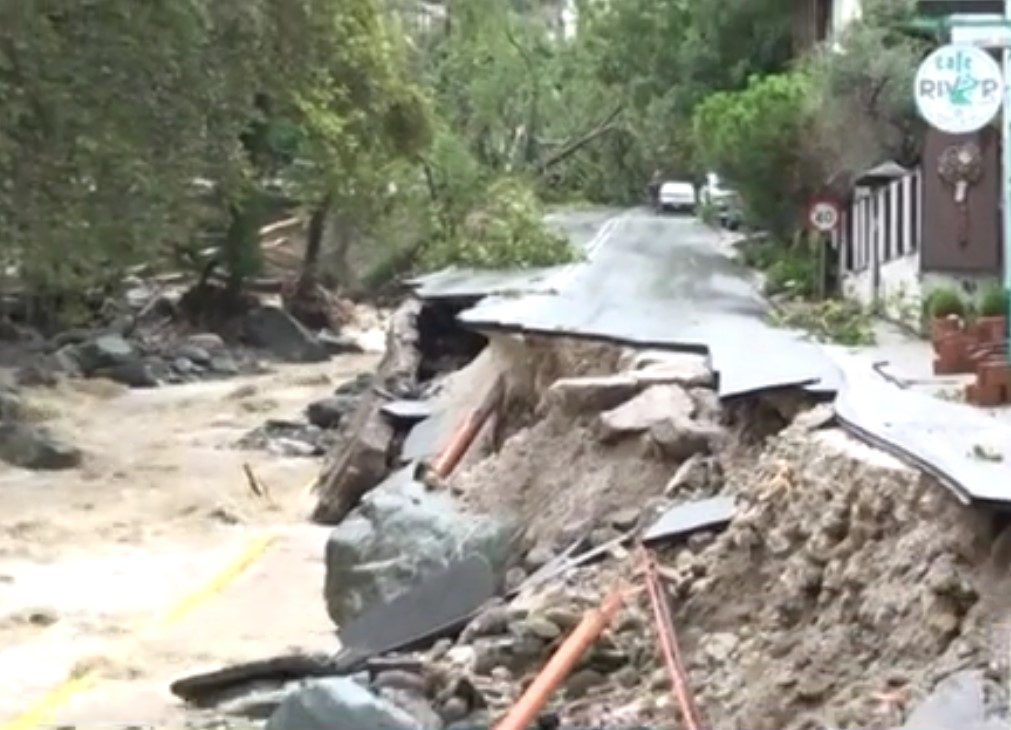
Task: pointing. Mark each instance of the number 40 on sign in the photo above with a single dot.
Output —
(823, 215)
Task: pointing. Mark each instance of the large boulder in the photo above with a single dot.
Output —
(277, 332)
(105, 352)
(330, 411)
(34, 447)
(339, 703)
(401, 533)
(653, 405)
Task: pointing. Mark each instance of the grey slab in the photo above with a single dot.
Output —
(425, 438)
(685, 519)
(956, 703)
(941, 437)
(408, 411)
(472, 283)
(436, 607)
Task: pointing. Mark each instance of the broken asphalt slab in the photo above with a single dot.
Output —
(687, 519)
(967, 450)
(662, 283)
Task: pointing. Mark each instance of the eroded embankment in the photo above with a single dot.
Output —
(837, 589)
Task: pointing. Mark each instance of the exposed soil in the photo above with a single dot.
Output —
(560, 481)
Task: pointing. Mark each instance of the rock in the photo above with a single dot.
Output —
(134, 374)
(565, 617)
(207, 341)
(454, 709)
(625, 519)
(708, 408)
(106, 351)
(329, 412)
(719, 648)
(416, 706)
(492, 621)
(38, 374)
(583, 681)
(400, 533)
(542, 628)
(514, 578)
(680, 368)
(34, 447)
(362, 465)
(224, 364)
(274, 330)
(400, 679)
(11, 406)
(184, 367)
(338, 703)
(490, 654)
(65, 360)
(537, 557)
(195, 354)
(591, 395)
(678, 438)
(652, 406)
(337, 344)
(699, 473)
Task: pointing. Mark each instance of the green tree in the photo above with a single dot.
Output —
(755, 138)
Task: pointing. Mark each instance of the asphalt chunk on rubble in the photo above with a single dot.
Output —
(812, 581)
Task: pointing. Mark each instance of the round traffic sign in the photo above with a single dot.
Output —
(823, 215)
(958, 89)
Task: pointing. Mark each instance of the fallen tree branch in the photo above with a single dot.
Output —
(605, 126)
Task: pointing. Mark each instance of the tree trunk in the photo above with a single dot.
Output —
(305, 300)
(314, 245)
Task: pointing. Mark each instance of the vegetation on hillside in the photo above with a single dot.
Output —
(134, 134)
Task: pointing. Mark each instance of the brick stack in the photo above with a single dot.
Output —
(953, 341)
(993, 383)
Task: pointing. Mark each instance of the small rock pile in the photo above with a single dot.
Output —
(316, 433)
(137, 363)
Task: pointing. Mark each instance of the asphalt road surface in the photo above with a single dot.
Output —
(663, 281)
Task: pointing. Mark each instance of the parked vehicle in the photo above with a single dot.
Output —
(678, 196)
(715, 194)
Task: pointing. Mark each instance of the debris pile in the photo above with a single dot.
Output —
(813, 581)
(317, 432)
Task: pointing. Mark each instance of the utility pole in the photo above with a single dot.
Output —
(1005, 147)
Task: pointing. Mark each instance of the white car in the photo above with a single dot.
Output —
(677, 196)
(714, 194)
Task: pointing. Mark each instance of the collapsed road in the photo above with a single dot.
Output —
(577, 510)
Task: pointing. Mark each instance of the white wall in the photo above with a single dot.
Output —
(844, 12)
(900, 289)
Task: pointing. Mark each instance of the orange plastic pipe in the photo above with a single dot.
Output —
(464, 436)
(668, 645)
(561, 663)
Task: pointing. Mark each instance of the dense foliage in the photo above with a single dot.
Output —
(418, 133)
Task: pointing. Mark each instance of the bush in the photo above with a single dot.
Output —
(945, 302)
(994, 302)
(754, 138)
(839, 321)
(507, 231)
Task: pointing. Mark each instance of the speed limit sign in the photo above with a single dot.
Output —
(823, 215)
